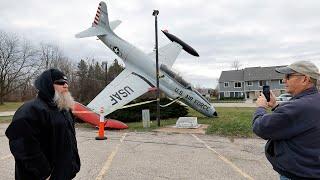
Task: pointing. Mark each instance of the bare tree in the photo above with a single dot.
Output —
(53, 57)
(49, 54)
(236, 65)
(18, 63)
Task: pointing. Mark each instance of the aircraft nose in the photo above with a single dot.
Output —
(215, 113)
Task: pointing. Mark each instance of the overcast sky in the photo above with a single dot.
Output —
(254, 32)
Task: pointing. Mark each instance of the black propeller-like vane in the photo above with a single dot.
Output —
(184, 45)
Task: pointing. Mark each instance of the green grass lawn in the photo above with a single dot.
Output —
(10, 106)
(231, 122)
(235, 122)
(137, 126)
(5, 119)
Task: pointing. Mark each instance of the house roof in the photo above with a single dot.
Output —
(235, 75)
(261, 73)
(251, 74)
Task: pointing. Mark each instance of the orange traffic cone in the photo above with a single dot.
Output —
(101, 127)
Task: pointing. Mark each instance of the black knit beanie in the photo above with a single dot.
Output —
(57, 75)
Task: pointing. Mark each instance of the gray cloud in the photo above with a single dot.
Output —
(257, 33)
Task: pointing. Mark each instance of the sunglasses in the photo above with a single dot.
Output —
(60, 82)
(287, 76)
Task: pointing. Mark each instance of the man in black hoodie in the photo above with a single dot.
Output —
(42, 135)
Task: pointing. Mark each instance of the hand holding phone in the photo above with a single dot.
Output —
(266, 92)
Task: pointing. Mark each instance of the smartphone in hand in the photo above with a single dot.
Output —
(266, 92)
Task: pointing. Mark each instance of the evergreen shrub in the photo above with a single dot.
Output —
(134, 114)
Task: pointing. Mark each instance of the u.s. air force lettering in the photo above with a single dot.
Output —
(201, 105)
(177, 90)
(120, 94)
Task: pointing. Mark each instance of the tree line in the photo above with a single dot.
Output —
(21, 62)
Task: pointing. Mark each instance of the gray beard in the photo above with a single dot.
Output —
(63, 100)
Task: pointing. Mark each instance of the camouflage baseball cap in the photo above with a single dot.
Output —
(303, 67)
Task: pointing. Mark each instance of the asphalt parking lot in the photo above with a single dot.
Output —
(160, 155)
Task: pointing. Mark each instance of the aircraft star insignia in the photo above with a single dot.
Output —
(116, 50)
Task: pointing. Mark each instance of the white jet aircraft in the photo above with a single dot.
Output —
(139, 74)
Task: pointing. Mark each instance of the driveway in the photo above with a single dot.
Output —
(159, 155)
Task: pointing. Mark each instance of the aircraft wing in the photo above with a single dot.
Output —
(167, 54)
(126, 87)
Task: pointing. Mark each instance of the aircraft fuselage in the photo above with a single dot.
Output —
(138, 60)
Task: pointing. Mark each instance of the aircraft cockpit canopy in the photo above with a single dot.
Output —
(181, 81)
(175, 76)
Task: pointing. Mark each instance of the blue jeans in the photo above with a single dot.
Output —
(282, 177)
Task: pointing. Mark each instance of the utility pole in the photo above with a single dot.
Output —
(105, 64)
(155, 14)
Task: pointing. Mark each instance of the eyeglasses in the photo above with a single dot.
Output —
(287, 76)
(60, 82)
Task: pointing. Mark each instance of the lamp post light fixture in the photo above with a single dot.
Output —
(105, 66)
(155, 14)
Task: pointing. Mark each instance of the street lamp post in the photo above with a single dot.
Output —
(155, 14)
(105, 65)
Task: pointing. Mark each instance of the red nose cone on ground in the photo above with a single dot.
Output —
(85, 114)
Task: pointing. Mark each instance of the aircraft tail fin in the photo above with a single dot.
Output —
(101, 18)
(100, 25)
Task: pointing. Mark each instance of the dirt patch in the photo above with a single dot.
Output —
(171, 129)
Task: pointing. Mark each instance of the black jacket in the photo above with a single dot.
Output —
(42, 138)
(293, 133)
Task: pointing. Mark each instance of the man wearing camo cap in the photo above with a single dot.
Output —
(293, 128)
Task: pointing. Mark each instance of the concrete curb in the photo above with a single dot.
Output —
(7, 113)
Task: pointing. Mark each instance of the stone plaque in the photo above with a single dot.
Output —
(187, 122)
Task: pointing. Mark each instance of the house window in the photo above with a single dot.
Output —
(237, 84)
(226, 94)
(281, 82)
(226, 84)
(262, 83)
(238, 94)
(249, 83)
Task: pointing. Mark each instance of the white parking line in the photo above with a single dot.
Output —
(5, 157)
(106, 166)
(224, 159)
